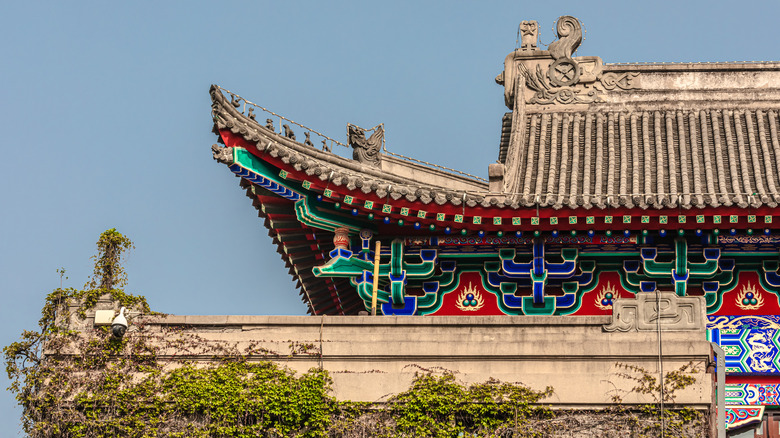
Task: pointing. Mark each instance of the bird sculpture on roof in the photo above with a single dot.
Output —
(366, 150)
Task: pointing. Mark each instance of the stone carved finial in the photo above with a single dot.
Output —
(569, 37)
(366, 150)
(288, 132)
(235, 100)
(529, 35)
(221, 154)
(565, 71)
(642, 314)
(555, 76)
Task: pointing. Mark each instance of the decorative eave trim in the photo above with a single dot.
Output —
(296, 186)
(738, 416)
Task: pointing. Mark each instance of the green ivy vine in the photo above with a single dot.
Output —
(439, 406)
(650, 419)
(86, 383)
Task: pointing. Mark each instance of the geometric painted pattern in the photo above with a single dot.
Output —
(753, 394)
(743, 321)
(538, 270)
(738, 416)
(678, 269)
(264, 182)
(749, 351)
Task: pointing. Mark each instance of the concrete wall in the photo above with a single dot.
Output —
(371, 358)
(430, 176)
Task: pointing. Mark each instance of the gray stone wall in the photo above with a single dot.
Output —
(371, 358)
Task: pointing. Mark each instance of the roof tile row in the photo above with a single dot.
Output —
(658, 159)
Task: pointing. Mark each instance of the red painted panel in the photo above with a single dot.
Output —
(596, 302)
(470, 284)
(749, 287)
(757, 380)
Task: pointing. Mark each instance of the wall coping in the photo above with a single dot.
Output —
(227, 320)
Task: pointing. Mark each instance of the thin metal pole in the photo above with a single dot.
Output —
(720, 363)
(322, 323)
(376, 277)
(660, 355)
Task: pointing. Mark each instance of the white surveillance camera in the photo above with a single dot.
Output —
(119, 325)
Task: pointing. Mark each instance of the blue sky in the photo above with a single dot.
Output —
(106, 117)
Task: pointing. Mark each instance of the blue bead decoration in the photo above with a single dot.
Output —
(591, 233)
(698, 232)
(447, 230)
(733, 232)
(354, 212)
(386, 220)
(481, 233)
(417, 225)
(518, 234)
(470, 297)
(662, 233)
(319, 197)
(627, 233)
(554, 233)
(767, 231)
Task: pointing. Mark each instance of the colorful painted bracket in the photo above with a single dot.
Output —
(346, 264)
(738, 416)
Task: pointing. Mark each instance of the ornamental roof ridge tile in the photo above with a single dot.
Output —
(328, 166)
(707, 63)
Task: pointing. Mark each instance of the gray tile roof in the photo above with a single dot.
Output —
(341, 171)
(651, 159)
(506, 130)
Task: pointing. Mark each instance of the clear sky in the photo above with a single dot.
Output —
(106, 116)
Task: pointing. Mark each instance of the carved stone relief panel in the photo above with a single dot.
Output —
(647, 312)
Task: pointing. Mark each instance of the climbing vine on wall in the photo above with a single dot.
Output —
(45, 385)
(650, 419)
(86, 383)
